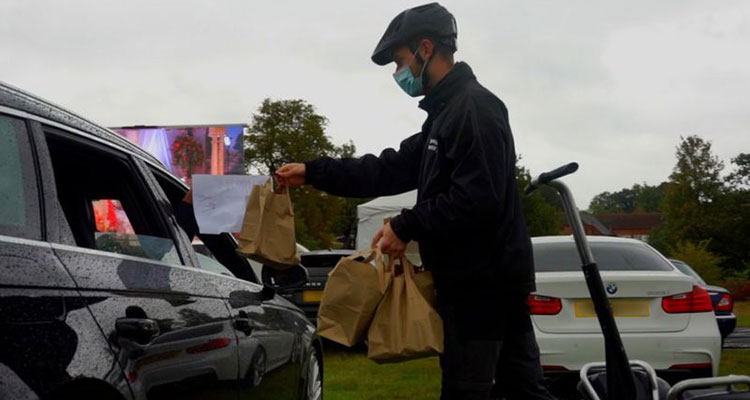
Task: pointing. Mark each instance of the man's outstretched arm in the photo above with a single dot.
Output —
(390, 173)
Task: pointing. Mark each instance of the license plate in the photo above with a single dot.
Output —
(620, 308)
(312, 296)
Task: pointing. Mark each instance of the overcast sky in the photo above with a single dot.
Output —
(611, 85)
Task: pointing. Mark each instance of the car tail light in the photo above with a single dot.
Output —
(543, 305)
(691, 302)
(725, 304)
(213, 344)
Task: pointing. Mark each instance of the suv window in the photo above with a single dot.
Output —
(215, 253)
(558, 257)
(19, 199)
(210, 264)
(115, 233)
(106, 205)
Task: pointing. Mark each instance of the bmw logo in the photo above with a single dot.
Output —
(611, 288)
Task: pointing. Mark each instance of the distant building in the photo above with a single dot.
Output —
(632, 225)
(215, 149)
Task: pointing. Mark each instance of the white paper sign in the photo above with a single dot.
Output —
(219, 201)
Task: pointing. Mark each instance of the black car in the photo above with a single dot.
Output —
(122, 307)
(720, 297)
(318, 264)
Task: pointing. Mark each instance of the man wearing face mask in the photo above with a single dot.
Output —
(467, 220)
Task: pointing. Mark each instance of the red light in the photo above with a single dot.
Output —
(691, 302)
(212, 344)
(543, 305)
(725, 304)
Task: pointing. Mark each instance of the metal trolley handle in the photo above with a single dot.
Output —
(546, 177)
(728, 381)
(618, 368)
(646, 367)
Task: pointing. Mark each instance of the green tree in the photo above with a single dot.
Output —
(693, 191)
(697, 255)
(649, 198)
(639, 198)
(741, 176)
(291, 131)
(732, 236)
(541, 209)
(622, 201)
(285, 131)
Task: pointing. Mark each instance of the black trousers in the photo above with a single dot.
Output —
(482, 369)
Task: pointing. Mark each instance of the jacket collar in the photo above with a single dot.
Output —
(435, 101)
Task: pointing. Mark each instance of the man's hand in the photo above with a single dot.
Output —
(389, 243)
(292, 175)
(188, 199)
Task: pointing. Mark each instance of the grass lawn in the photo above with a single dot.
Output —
(350, 375)
(735, 361)
(742, 311)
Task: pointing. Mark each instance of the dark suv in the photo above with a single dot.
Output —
(89, 310)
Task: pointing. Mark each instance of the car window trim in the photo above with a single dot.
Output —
(124, 160)
(38, 178)
(52, 213)
(78, 132)
(95, 252)
(37, 229)
(182, 244)
(24, 241)
(142, 191)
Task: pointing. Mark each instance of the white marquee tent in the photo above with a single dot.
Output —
(372, 214)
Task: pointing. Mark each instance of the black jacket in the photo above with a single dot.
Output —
(468, 218)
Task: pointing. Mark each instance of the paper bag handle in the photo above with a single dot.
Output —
(368, 255)
(408, 268)
(385, 270)
(284, 192)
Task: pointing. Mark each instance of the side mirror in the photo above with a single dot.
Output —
(281, 279)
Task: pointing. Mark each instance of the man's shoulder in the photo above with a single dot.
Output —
(483, 98)
(475, 96)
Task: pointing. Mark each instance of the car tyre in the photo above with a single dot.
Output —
(314, 379)
(257, 367)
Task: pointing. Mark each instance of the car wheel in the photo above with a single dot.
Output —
(257, 367)
(314, 380)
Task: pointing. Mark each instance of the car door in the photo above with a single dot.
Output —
(170, 333)
(43, 324)
(268, 327)
(269, 345)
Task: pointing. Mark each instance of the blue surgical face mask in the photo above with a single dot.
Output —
(411, 84)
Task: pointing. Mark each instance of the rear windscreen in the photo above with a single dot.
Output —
(558, 257)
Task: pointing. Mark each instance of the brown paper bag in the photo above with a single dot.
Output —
(422, 276)
(267, 234)
(405, 325)
(350, 297)
(426, 286)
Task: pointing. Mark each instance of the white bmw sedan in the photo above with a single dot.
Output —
(662, 316)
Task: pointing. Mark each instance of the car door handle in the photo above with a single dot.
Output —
(243, 325)
(139, 329)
